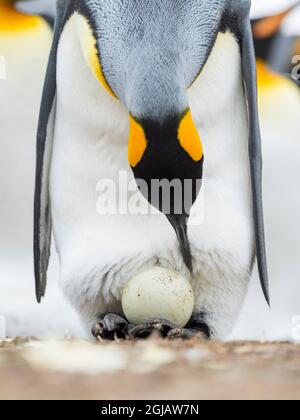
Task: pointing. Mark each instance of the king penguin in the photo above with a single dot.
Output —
(289, 41)
(278, 91)
(43, 8)
(276, 34)
(25, 42)
(149, 89)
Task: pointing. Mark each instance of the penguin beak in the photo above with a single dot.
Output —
(179, 223)
(168, 151)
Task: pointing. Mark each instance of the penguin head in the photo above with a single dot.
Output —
(18, 15)
(147, 54)
(44, 8)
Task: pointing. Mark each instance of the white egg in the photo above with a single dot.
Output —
(158, 293)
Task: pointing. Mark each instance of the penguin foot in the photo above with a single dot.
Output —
(166, 329)
(196, 328)
(110, 327)
(115, 327)
(154, 326)
(187, 334)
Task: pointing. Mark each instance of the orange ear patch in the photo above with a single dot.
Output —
(137, 142)
(90, 51)
(97, 69)
(269, 26)
(189, 138)
(13, 21)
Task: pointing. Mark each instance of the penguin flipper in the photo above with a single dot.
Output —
(255, 153)
(42, 210)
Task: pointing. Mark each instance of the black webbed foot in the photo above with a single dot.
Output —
(187, 334)
(110, 327)
(196, 328)
(151, 327)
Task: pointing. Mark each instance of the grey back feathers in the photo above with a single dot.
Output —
(169, 42)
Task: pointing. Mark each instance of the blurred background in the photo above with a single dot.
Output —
(23, 57)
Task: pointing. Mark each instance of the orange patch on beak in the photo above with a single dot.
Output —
(137, 142)
(189, 138)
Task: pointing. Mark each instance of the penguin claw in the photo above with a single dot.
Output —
(186, 334)
(110, 327)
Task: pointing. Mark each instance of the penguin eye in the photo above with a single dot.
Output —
(89, 47)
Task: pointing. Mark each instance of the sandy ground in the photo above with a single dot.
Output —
(152, 369)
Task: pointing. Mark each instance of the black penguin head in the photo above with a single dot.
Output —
(166, 157)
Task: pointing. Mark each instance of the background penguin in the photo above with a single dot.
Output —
(160, 63)
(290, 31)
(278, 93)
(25, 42)
(44, 8)
(279, 107)
(276, 34)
